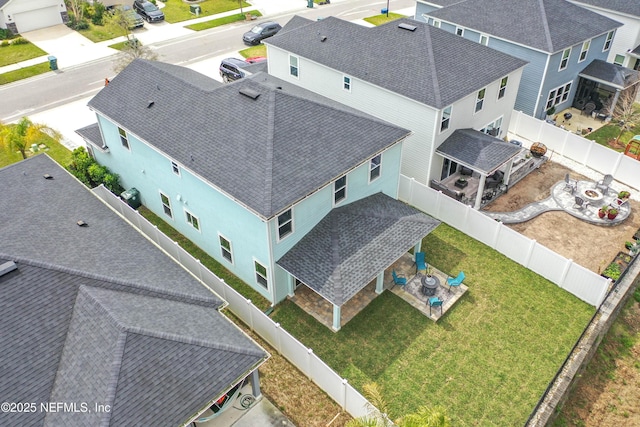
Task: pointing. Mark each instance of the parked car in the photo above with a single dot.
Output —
(148, 11)
(134, 20)
(261, 32)
(231, 69)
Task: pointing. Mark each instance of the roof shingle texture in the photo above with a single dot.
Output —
(353, 242)
(546, 25)
(429, 65)
(631, 7)
(267, 153)
(618, 76)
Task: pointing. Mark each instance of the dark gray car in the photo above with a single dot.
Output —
(261, 32)
(148, 11)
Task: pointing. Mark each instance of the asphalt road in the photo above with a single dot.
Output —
(52, 90)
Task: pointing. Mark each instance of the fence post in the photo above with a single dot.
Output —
(250, 319)
(565, 272)
(309, 356)
(527, 260)
(496, 235)
(278, 343)
(343, 399)
(178, 251)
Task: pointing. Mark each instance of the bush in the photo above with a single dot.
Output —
(91, 173)
(4, 43)
(98, 14)
(20, 40)
(5, 34)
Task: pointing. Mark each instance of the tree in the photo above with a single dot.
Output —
(626, 111)
(24, 134)
(76, 18)
(133, 48)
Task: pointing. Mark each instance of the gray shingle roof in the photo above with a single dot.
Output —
(477, 150)
(546, 25)
(429, 65)
(354, 243)
(631, 7)
(614, 75)
(267, 152)
(91, 133)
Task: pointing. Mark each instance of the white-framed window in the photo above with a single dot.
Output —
(285, 224)
(446, 118)
(293, 65)
(261, 274)
(558, 95)
(124, 139)
(619, 60)
(436, 23)
(375, 165)
(484, 39)
(608, 41)
(192, 219)
(503, 87)
(346, 83)
(175, 168)
(584, 51)
(166, 204)
(459, 31)
(225, 248)
(340, 189)
(565, 59)
(480, 99)
(493, 128)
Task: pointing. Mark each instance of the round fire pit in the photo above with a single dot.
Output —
(593, 195)
(429, 285)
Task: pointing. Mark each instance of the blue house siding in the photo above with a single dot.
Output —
(423, 8)
(151, 173)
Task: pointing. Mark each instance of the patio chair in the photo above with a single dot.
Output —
(569, 184)
(399, 279)
(588, 108)
(457, 281)
(435, 302)
(580, 203)
(604, 183)
(420, 262)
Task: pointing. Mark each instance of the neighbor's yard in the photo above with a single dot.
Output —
(178, 11)
(15, 53)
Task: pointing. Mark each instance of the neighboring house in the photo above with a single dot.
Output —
(246, 170)
(625, 49)
(407, 73)
(557, 38)
(99, 319)
(21, 16)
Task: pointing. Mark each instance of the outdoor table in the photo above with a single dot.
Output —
(429, 285)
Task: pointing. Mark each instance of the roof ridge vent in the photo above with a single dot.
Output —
(407, 27)
(7, 267)
(249, 93)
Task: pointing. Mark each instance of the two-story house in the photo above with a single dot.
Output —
(558, 40)
(248, 169)
(408, 73)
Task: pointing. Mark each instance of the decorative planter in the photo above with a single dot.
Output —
(617, 266)
(602, 213)
(612, 215)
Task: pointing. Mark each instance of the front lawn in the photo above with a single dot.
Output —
(250, 52)
(382, 19)
(24, 73)
(98, 33)
(178, 11)
(487, 361)
(15, 53)
(221, 21)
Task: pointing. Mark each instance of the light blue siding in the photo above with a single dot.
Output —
(423, 8)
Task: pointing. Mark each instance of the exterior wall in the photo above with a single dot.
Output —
(401, 111)
(150, 172)
(422, 8)
(21, 7)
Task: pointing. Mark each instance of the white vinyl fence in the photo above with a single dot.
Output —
(302, 357)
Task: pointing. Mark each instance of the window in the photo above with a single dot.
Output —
(459, 31)
(493, 128)
(374, 167)
(176, 168)
(558, 95)
(285, 224)
(584, 51)
(436, 23)
(565, 59)
(503, 87)
(193, 220)
(123, 138)
(619, 60)
(346, 83)
(293, 66)
(226, 249)
(261, 274)
(608, 41)
(484, 39)
(166, 205)
(340, 189)
(480, 100)
(446, 116)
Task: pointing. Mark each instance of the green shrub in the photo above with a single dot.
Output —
(20, 40)
(612, 271)
(4, 43)
(5, 34)
(91, 173)
(98, 13)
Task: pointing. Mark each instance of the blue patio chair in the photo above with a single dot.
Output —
(399, 279)
(420, 262)
(457, 281)
(435, 302)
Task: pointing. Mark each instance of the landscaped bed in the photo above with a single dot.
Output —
(487, 361)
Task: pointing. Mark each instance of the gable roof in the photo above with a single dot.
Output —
(546, 25)
(265, 145)
(428, 65)
(610, 74)
(629, 7)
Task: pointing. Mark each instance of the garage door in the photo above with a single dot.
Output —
(39, 18)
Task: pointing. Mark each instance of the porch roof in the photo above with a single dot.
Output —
(481, 152)
(353, 244)
(612, 75)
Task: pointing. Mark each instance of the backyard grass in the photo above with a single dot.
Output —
(178, 11)
(487, 361)
(610, 132)
(259, 50)
(381, 19)
(19, 52)
(23, 73)
(56, 151)
(221, 21)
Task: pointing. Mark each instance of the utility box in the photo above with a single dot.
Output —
(310, 4)
(132, 197)
(195, 9)
(53, 63)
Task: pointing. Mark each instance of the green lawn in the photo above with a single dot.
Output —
(178, 11)
(98, 33)
(381, 19)
(259, 50)
(221, 21)
(611, 131)
(57, 151)
(24, 73)
(487, 361)
(20, 52)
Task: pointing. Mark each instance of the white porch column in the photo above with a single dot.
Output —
(507, 172)
(615, 101)
(417, 248)
(255, 384)
(380, 283)
(483, 178)
(292, 285)
(336, 317)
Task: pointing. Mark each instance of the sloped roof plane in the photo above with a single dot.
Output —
(630, 7)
